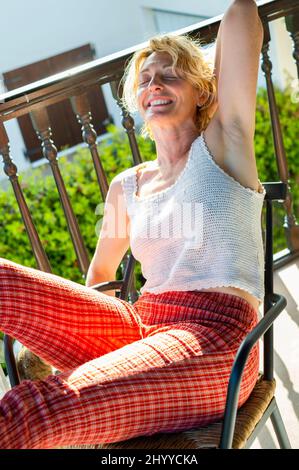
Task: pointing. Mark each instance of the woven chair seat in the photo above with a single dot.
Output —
(209, 436)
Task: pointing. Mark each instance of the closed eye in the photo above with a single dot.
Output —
(143, 81)
(146, 80)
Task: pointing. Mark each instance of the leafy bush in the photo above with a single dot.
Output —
(265, 155)
(81, 183)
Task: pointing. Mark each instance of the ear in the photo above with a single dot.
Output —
(201, 98)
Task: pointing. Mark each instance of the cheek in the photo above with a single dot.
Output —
(140, 101)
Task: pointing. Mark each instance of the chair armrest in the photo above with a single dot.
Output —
(107, 285)
(279, 303)
(10, 361)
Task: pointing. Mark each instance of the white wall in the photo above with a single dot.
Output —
(35, 29)
(281, 50)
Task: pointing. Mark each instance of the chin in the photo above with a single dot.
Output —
(160, 117)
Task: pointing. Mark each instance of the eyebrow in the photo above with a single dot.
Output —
(148, 69)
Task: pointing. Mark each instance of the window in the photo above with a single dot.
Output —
(65, 127)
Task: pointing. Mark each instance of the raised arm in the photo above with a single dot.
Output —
(238, 48)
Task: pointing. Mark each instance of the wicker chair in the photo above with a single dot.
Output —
(239, 428)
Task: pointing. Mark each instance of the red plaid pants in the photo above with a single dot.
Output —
(159, 365)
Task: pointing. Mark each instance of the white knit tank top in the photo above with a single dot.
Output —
(203, 231)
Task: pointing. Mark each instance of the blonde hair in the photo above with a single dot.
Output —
(189, 60)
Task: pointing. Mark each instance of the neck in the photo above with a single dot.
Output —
(172, 147)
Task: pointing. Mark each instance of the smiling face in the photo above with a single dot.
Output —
(165, 98)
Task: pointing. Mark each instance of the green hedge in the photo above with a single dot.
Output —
(81, 183)
(265, 155)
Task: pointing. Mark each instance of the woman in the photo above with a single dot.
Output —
(192, 217)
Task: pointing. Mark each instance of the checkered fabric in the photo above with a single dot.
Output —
(159, 365)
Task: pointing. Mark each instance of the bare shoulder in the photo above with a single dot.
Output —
(233, 151)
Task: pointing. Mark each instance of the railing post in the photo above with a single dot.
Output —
(80, 105)
(42, 127)
(292, 25)
(129, 126)
(290, 225)
(10, 170)
(127, 121)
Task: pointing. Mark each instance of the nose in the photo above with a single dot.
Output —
(155, 83)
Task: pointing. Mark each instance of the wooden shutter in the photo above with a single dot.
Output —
(65, 127)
